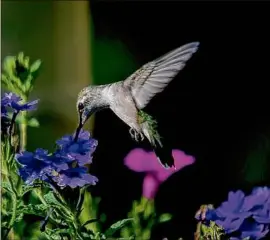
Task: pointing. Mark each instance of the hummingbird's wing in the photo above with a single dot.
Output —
(154, 76)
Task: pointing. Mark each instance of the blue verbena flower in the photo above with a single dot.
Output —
(253, 230)
(245, 216)
(34, 165)
(59, 166)
(230, 214)
(258, 203)
(12, 100)
(81, 150)
(74, 177)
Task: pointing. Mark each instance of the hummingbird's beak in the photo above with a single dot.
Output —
(80, 125)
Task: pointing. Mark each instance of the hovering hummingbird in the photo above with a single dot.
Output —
(129, 97)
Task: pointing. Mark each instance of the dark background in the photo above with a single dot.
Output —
(213, 109)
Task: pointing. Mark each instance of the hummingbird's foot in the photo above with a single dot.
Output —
(135, 135)
(141, 136)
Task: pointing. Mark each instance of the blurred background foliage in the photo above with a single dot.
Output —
(218, 112)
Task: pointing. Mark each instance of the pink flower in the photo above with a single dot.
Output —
(140, 160)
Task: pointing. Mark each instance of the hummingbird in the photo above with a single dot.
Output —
(129, 97)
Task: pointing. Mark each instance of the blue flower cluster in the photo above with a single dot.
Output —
(65, 167)
(13, 102)
(243, 216)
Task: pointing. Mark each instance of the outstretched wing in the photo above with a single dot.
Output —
(154, 76)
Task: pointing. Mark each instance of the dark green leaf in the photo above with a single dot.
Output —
(116, 226)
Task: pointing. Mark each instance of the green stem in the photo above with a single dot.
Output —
(13, 216)
(23, 131)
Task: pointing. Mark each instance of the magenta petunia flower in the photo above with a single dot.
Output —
(140, 160)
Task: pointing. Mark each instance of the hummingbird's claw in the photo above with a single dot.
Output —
(136, 135)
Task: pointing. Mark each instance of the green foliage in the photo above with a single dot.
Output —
(18, 75)
(117, 226)
(212, 231)
(144, 219)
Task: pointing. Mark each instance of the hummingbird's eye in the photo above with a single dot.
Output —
(80, 106)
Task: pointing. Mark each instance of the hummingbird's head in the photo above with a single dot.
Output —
(85, 107)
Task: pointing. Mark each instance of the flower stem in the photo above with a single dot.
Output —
(23, 131)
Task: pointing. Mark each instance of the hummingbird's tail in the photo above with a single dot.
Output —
(149, 129)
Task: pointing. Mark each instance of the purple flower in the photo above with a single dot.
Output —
(13, 101)
(34, 165)
(81, 150)
(59, 166)
(253, 230)
(258, 203)
(244, 216)
(139, 160)
(74, 177)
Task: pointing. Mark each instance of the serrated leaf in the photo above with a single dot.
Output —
(33, 122)
(165, 217)
(116, 226)
(35, 66)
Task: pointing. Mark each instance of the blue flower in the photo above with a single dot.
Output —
(34, 165)
(9, 98)
(13, 101)
(74, 177)
(249, 216)
(253, 230)
(59, 166)
(230, 214)
(81, 150)
(258, 203)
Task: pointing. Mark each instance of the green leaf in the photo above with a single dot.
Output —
(51, 199)
(20, 58)
(6, 186)
(35, 66)
(89, 221)
(37, 209)
(165, 217)
(28, 84)
(116, 226)
(9, 65)
(33, 122)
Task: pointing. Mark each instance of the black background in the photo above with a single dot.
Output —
(211, 110)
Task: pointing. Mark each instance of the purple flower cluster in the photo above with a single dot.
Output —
(243, 216)
(13, 102)
(65, 167)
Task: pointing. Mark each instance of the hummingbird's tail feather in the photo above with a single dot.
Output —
(149, 129)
